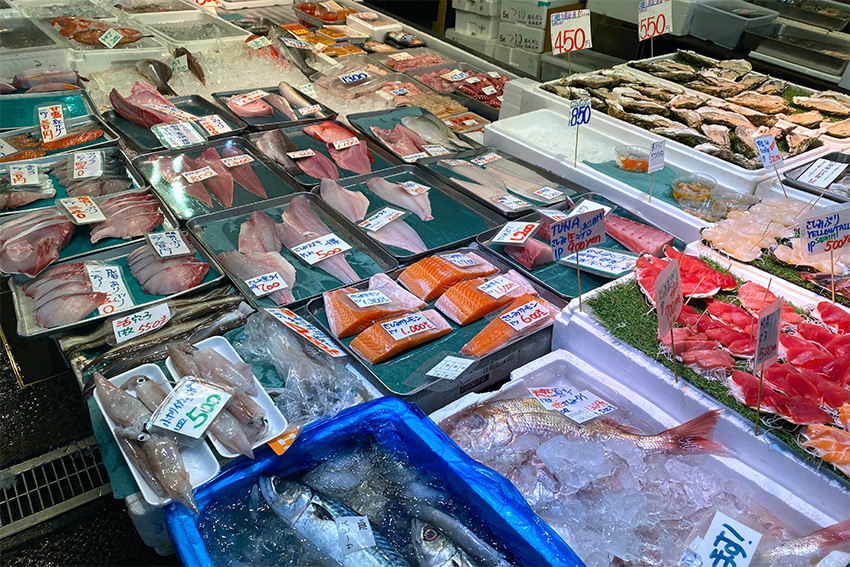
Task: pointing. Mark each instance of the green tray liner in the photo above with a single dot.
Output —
(276, 119)
(92, 125)
(223, 236)
(307, 142)
(662, 185)
(19, 112)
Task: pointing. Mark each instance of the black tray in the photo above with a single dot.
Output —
(278, 119)
(792, 175)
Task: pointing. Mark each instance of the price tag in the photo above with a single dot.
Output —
(106, 278)
(407, 326)
(355, 532)
(307, 331)
(473, 80)
(7, 149)
(83, 210)
(180, 64)
(548, 193)
(588, 205)
(436, 150)
(321, 248)
(494, 74)
(470, 122)
(310, 109)
(51, 120)
(366, 299)
(334, 7)
(459, 259)
(579, 406)
(110, 38)
(399, 92)
(498, 287)
(179, 135)
(580, 112)
(450, 162)
(768, 150)
(450, 367)
(368, 16)
(301, 154)
(512, 203)
(141, 322)
(247, 98)
(455, 75)
(347, 143)
(354, 77)
(27, 174)
(266, 284)
(570, 31)
(88, 164)
(308, 89)
(402, 56)
(489, 90)
(168, 244)
(171, 111)
(656, 156)
(767, 351)
(822, 172)
(259, 42)
(515, 233)
(525, 315)
(553, 214)
(413, 157)
(198, 175)
(668, 297)
(654, 18)
(214, 125)
(284, 441)
(382, 218)
(236, 161)
(484, 159)
(415, 188)
(577, 232)
(728, 541)
(296, 43)
(826, 230)
(190, 408)
(608, 262)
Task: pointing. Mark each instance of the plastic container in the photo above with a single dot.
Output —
(727, 200)
(694, 186)
(723, 22)
(195, 30)
(485, 46)
(18, 57)
(477, 25)
(632, 158)
(388, 60)
(375, 28)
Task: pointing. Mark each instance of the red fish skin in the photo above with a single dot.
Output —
(222, 184)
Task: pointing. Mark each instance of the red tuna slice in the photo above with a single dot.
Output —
(244, 174)
(800, 410)
(636, 236)
(839, 346)
(755, 297)
(328, 132)
(815, 333)
(739, 343)
(837, 371)
(808, 358)
(745, 388)
(698, 278)
(834, 316)
(833, 396)
(795, 383)
(685, 341)
(533, 254)
(689, 317)
(709, 359)
(221, 185)
(254, 108)
(733, 315)
(647, 269)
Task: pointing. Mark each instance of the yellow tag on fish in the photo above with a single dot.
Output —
(284, 441)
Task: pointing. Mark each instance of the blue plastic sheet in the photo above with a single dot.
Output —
(401, 428)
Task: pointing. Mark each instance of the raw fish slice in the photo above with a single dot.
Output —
(300, 215)
(45, 286)
(478, 175)
(401, 235)
(486, 192)
(254, 108)
(698, 278)
(276, 144)
(354, 158)
(517, 171)
(176, 279)
(376, 344)
(834, 316)
(346, 318)
(13, 198)
(430, 277)
(395, 194)
(524, 187)
(66, 288)
(328, 132)
(533, 254)
(400, 140)
(144, 272)
(280, 104)
(133, 107)
(221, 185)
(196, 190)
(318, 166)
(127, 227)
(74, 270)
(537, 313)
(257, 235)
(244, 174)
(35, 248)
(14, 228)
(732, 315)
(465, 302)
(637, 237)
(335, 266)
(829, 443)
(68, 309)
(709, 359)
(755, 297)
(258, 264)
(353, 205)
(213, 364)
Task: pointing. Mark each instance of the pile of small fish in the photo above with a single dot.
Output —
(415, 132)
(89, 32)
(288, 102)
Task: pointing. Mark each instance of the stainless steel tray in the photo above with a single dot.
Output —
(835, 21)
(780, 41)
(278, 119)
(792, 175)
(109, 138)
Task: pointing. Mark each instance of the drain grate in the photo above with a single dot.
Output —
(51, 484)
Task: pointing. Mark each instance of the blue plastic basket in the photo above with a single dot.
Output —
(397, 427)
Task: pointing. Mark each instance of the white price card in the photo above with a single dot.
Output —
(654, 18)
(355, 533)
(110, 38)
(570, 31)
(301, 154)
(579, 406)
(515, 232)
(414, 188)
(668, 297)
(489, 90)
(332, 5)
(473, 80)
(7, 149)
(454, 75)
(399, 92)
(88, 164)
(308, 89)
(588, 205)
(484, 159)
(51, 120)
(307, 331)
(370, 298)
(728, 542)
(822, 172)
(602, 260)
(347, 143)
(198, 175)
(498, 287)
(436, 149)
(450, 367)
(548, 193)
(577, 232)
(768, 150)
(214, 124)
(246, 98)
(309, 109)
(236, 161)
(459, 259)
(553, 214)
(296, 43)
(190, 408)
(512, 203)
(403, 56)
(354, 77)
(168, 244)
(525, 315)
(171, 110)
(106, 278)
(266, 284)
(321, 248)
(83, 210)
(179, 135)
(827, 230)
(259, 43)
(767, 341)
(449, 162)
(140, 322)
(381, 219)
(414, 157)
(494, 74)
(656, 156)
(21, 175)
(580, 112)
(180, 64)
(407, 326)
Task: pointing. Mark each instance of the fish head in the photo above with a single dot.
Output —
(286, 498)
(478, 428)
(431, 547)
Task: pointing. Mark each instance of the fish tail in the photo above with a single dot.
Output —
(694, 436)
(834, 535)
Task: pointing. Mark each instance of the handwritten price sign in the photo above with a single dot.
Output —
(214, 125)
(141, 322)
(577, 232)
(656, 156)
(407, 326)
(570, 31)
(525, 315)
(266, 284)
(654, 17)
(516, 233)
(106, 278)
(347, 143)
(190, 408)
(20, 175)
(498, 287)
(51, 121)
(668, 297)
(307, 331)
(88, 164)
(579, 406)
(236, 161)
(246, 98)
(83, 210)
(767, 350)
(826, 231)
(168, 244)
(321, 248)
(768, 151)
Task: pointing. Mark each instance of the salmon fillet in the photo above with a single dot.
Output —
(385, 339)
(351, 311)
(525, 315)
(469, 301)
(430, 277)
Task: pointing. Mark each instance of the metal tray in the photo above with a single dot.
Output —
(404, 375)
(383, 57)
(109, 138)
(382, 158)
(457, 218)
(798, 12)
(276, 181)
(772, 40)
(278, 119)
(143, 140)
(474, 105)
(792, 175)
(219, 232)
(17, 110)
(433, 165)
(27, 327)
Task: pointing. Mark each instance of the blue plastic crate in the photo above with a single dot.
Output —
(395, 426)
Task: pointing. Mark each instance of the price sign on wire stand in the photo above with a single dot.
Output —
(827, 231)
(656, 162)
(570, 31)
(579, 114)
(767, 341)
(770, 156)
(654, 18)
(668, 303)
(576, 233)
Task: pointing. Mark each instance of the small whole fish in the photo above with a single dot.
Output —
(297, 100)
(434, 549)
(276, 144)
(158, 73)
(434, 131)
(192, 63)
(816, 545)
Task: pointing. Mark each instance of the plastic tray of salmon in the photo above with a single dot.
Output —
(82, 132)
(272, 110)
(278, 239)
(447, 359)
(105, 287)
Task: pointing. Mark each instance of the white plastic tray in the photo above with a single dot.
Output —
(198, 459)
(277, 423)
(235, 34)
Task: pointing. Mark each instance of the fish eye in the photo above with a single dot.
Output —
(429, 533)
(142, 437)
(141, 380)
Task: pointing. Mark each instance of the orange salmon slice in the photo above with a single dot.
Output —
(525, 315)
(385, 339)
(469, 301)
(430, 277)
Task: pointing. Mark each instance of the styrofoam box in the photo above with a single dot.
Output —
(520, 58)
(715, 22)
(804, 499)
(485, 46)
(476, 25)
(522, 36)
(534, 13)
(150, 523)
(483, 7)
(376, 33)
(232, 34)
(683, 12)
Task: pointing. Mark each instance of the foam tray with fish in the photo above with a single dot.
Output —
(220, 233)
(454, 218)
(278, 119)
(88, 131)
(421, 57)
(414, 449)
(143, 140)
(405, 373)
(509, 180)
(381, 158)
(19, 109)
(841, 195)
(114, 256)
(273, 182)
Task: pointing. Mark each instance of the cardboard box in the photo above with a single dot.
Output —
(535, 13)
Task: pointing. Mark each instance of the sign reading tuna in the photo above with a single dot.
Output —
(578, 232)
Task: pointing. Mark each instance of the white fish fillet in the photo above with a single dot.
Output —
(400, 235)
(393, 193)
(350, 204)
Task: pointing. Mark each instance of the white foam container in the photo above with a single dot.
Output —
(521, 36)
(277, 423)
(477, 25)
(485, 46)
(198, 459)
(235, 34)
(483, 7)
(521, 59)
(375, 32)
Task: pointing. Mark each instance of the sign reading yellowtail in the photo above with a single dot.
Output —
(827, 230)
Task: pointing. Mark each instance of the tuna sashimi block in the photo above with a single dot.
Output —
(636, 236)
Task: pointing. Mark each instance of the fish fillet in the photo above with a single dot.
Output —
(132, 107)
(257, 234)
(400, 140)
(350, 204)
(246, 267)
(486, 192)
(466, 302)
(280, 103)
(335, 266)
(528, 313)
(478, 175)
(346, 318)
(318, 166)
(430, 277)
(244, 174)
(354, 158)
(221, 185)
(127, 227)
(395, 194)
(68, 309)
(171, 168)
(176, 279)
(532, 255)
(254, 108)
(401, 235)
(376, 344)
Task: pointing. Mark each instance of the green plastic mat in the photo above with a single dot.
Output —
(662, 186)
(18, 111)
